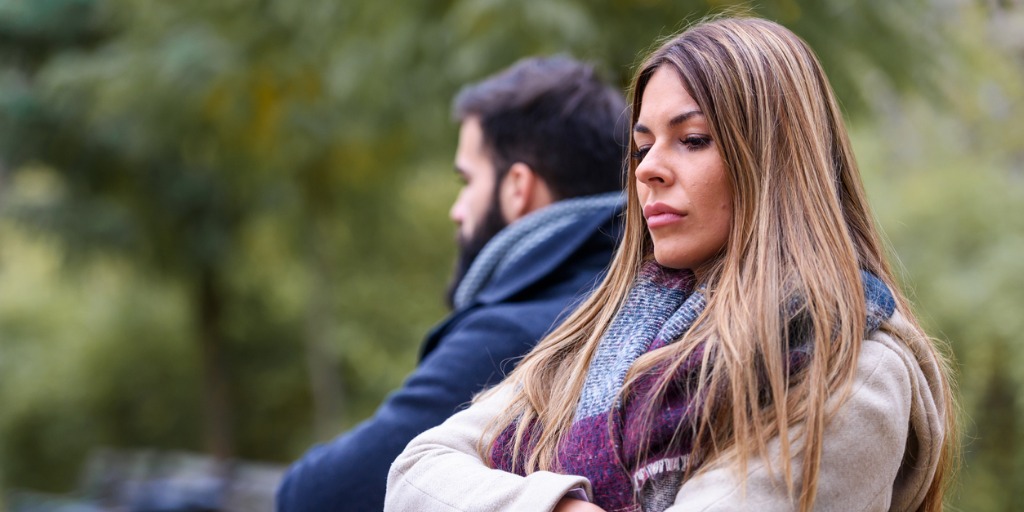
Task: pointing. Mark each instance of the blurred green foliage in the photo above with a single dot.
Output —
(224, 223)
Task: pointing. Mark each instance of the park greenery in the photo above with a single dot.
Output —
(223, 224)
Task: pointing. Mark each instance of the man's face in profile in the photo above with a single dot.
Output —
(476, 211)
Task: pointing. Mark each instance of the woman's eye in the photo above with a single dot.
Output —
(640, 153)
(696, 142)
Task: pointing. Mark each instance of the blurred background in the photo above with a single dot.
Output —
(224, 232)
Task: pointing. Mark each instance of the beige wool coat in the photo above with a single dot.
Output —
(880, 452)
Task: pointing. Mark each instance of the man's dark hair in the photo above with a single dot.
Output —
(556, 116)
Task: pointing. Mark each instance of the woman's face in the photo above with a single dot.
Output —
(680, 176)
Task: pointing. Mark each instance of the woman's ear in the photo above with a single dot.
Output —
(522, 191)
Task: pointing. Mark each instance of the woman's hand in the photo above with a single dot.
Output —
(574, 505)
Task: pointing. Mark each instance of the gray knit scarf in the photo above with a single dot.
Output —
(523, 236)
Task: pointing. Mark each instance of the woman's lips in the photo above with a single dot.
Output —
(662, 219)
(660, 214)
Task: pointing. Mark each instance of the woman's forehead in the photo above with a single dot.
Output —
(666, 102)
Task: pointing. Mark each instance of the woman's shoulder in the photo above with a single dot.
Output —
(901, 347)
(904, 359)
(890, 348)
(899, 371)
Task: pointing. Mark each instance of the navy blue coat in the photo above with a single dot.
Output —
(473, 348)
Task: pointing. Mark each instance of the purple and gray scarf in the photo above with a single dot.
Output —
(658, 311)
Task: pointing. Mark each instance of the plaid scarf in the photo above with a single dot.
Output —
(659, 310)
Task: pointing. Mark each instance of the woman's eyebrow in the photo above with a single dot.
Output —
(677, 120)
(684, 117)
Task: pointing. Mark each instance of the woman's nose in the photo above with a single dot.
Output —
(652, 170)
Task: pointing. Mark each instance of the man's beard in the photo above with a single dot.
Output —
(470, 247)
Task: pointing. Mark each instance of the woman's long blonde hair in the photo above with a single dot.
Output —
(801, 232)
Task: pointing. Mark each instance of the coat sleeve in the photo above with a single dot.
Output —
(864, 443)
(441, 471)
(350, 472)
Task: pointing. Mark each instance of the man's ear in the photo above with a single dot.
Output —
(522, 191)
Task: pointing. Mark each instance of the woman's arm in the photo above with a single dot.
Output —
(864, 445)
(441, 471)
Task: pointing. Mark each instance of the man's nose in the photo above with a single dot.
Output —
(456, 212)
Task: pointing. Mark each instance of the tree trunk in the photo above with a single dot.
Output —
(217, 410)
(325, 382)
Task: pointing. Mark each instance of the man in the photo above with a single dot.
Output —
(540, 153)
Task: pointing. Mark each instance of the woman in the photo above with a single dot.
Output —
(749, 348)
